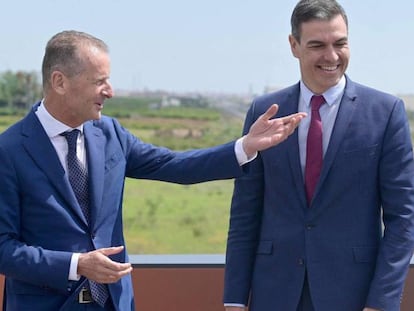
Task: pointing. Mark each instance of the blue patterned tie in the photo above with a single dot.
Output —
(78, 178)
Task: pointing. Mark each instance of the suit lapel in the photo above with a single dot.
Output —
(293, 145)
(294, 162)
(38, 146)
(95, 144)
(343, 119)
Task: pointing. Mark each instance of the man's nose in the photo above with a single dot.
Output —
(331, 54)
(108, 92)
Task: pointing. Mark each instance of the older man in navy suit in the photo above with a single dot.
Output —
(306, 221)
(62, 174)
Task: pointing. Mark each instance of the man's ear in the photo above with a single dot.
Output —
(59, 82)
(294, 46)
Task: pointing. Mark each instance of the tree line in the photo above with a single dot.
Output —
(19, 89)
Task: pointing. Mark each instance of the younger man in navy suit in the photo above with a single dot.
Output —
(306, 221)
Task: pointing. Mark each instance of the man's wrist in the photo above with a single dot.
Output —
(242, 157)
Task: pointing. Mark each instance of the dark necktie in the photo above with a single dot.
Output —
(314, 152)
(78, 178)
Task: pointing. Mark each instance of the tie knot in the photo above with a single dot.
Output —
(71, 138)
(317, 101)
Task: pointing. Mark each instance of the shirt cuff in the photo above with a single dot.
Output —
(234, 305)
(73, 269)
(240, 154)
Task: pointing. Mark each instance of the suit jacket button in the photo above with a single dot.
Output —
(301, 262)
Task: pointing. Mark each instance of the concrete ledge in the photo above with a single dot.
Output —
(199, 260)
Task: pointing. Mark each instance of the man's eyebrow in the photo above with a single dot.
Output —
(310, 42)
(314, 42)
(342, 39)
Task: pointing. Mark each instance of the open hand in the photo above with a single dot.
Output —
(267, 132)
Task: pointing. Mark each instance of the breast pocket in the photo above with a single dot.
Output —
(365, 152)
(357, 169)
(114, 160)
(358, 160)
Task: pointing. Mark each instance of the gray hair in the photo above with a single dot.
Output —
(62, 53)
(307, 10)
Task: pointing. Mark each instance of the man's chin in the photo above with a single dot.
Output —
(97, 116)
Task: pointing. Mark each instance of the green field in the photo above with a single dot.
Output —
(162, 218)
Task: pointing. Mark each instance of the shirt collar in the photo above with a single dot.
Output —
(331, 95)
(52, 126)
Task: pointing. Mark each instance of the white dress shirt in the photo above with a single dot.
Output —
(328, 113)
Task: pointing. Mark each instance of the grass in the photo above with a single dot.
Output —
(162, 218)
(175, 219)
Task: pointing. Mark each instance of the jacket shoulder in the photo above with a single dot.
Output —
(369, 93)
(284, 98)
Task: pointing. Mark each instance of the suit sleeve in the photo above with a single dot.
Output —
(148, 161)
(245, 220)
(31, 264)
(396, 174)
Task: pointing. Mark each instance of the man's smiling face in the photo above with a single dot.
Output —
(323, 52)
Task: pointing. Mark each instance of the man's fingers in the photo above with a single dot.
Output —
(111, 250)
(111, 275)
(270, 112)
(273, 109)
(295, 117)
(112, 272)
(113, 265)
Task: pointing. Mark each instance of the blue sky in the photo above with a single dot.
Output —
(211, 45)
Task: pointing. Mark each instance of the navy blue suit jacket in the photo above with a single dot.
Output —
(41, 223)
(274, 237)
